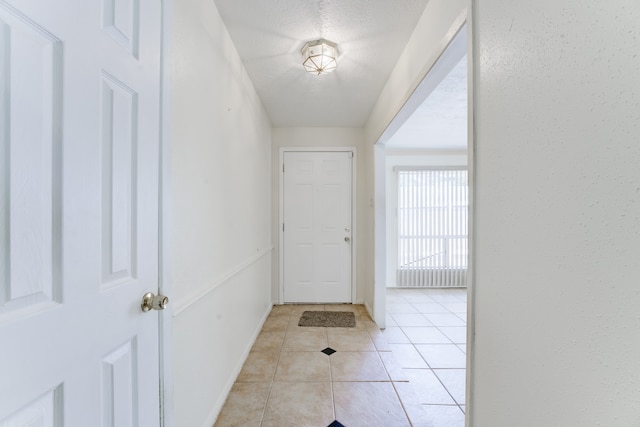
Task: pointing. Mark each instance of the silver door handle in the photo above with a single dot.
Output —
(346, 239)
(153, 302)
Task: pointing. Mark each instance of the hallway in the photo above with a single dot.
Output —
(410, 374)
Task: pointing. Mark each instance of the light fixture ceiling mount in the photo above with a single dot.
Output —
(319, 56)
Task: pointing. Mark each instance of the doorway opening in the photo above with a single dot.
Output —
(422, 232)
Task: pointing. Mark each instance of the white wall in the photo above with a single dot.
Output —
(557, 271)
(219, 226)
(327, 137)
(437, 26)
(400, 158)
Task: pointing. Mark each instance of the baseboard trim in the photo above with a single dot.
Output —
(215, 411)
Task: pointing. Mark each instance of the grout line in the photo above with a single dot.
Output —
(406, 413)
(427, 363)
(333, 395)
(266, 402)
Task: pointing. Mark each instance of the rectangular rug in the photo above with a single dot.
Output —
(328, 319)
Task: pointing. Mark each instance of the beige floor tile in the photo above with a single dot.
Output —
(395, 371)
(299, 404)
(399, 307)
(305, 339)
(245, 405)
(357, 366)
(454, 381)
(417, 319)
(298, 309)
(362, 309)
(423, 388)
(280, 310)
(445, 319)
(365, 324)
(430, 307)
(418, 298)
(447, 356)
(447, 296)
(425, 335)
(407, 356)
(260, 366)
(275, 324)
(299, 366)
(395, 335)
(353, 308)
(269, 341)
(390, 321)
(285, 381)
(457, 334)
(395, 298)
(368, 404)
(342, 339)
(380, 341)
(435, 416)
(456, 307)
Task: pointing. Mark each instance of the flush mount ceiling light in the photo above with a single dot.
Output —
(319, 56)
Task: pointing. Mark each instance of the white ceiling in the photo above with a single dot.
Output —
(440, 122)
(269, 35)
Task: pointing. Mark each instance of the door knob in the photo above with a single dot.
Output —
(346, 239)
(153, 302)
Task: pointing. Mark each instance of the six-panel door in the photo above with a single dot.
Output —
(317, 227)
(79, 155)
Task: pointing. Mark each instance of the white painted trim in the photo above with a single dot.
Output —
(449, 53)
(367, 306)
(165, 324)
(471, 165)
(423, 152)
(354, 214)
(380, 236)
(217, 407)
(198, 294)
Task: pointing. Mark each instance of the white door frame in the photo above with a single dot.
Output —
(165, 327)
(354, 226)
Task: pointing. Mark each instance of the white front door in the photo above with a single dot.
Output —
(79, 136)
(317, 216)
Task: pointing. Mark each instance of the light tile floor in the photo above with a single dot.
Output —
(410, 374)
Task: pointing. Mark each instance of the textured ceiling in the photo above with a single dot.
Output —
(269, 35)
(440, 122)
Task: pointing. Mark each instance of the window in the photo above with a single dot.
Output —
(432, 227)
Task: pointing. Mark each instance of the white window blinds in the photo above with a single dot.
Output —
(432, 227)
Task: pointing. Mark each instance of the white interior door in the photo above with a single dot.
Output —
(317, 227)
(79, 135)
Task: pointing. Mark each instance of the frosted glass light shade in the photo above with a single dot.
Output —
(319, 56)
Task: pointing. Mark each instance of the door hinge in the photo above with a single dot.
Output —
(351, 154)
(283, 168)
(283, 227)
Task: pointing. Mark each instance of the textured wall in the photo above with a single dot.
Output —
(557, 271)
(220, 201)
